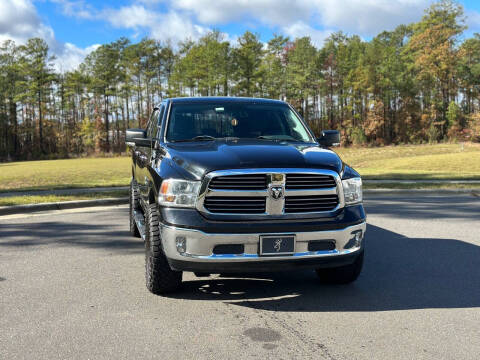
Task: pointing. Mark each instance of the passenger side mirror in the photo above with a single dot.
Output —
(137, 137)
(329, 138)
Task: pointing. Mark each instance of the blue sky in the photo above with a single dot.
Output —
(72, 28)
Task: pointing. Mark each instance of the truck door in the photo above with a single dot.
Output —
(144, 154)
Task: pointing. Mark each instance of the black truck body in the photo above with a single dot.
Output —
(224, 185)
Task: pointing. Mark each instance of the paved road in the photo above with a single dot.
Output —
(72, 286)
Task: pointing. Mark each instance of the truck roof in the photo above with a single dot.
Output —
(220, 99)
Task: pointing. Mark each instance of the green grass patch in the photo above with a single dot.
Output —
(440, 161)
(68, 173)
(38, 199)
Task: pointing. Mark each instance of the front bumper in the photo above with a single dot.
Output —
(198, 252)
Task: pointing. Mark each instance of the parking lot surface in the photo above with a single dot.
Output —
(72, 286)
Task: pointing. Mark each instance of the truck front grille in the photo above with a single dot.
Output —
(239, 182)
(235, 205)
(271, 192)
(299, 204)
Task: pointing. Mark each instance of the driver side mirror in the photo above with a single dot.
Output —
(137, 137)
(329, 138)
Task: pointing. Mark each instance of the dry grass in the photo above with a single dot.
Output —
(440, 161)
(69, 173)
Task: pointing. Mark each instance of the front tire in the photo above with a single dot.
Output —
(134, 206)
(343, 274)
(160, 278)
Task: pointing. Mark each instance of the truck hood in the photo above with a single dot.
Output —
(193, 160)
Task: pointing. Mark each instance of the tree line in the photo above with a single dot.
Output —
(418, 83)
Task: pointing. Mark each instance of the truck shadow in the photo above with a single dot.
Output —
(110, 237)
(399, 273)
(410, 206)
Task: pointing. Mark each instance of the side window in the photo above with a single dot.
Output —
(158, 121)
(152, 123)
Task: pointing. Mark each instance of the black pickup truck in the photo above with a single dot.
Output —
(238, 185)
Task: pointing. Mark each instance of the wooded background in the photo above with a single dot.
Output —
(418, 83)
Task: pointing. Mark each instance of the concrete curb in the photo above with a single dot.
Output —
(29, 208)
(71, 191)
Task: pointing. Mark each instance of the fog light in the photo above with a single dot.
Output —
(355, 240)
(181, 244)
(358, 237)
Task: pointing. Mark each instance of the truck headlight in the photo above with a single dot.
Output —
(180, 193)
(352, 190)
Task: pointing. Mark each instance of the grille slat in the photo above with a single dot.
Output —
(239, 182)
(318, 204)
(314, 198)
(250, 205)
(240, 177)
(240, 187)
(240, 206)
(246, 182)
(238, 199)
(297, 204)
(309, 181)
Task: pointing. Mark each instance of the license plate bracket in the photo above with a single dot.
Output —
(277, 245)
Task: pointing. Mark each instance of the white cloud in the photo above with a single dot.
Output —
(300, 29)
(270, 12)
(76, 8)
(192, 18)
(19, 22)
(369, 17)
(161, 26)
(176, 27)
(364, 17)
(140, 16)
(70, 56)
(130, 17)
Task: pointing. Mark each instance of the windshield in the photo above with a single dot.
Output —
(237, 120)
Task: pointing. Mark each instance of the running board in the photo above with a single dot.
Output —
(140, 222)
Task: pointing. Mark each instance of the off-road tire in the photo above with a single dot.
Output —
(134, 205)
(160, 278)
(343, 274)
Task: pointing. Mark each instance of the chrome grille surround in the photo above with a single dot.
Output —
(274, 208)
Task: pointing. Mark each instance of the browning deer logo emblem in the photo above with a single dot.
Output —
(278, 245)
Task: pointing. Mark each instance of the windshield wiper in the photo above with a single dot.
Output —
(203, 137)
(279, 138)
(197, 138)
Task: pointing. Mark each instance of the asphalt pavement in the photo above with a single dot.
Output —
(72, 287)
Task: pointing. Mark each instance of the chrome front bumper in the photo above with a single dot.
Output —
(199, 245)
